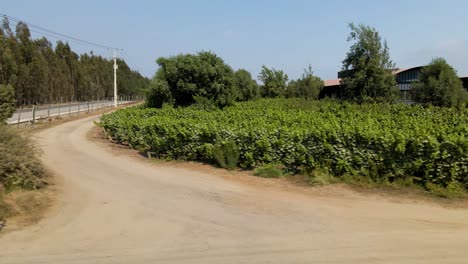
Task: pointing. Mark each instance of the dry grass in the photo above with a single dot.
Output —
(23, 207)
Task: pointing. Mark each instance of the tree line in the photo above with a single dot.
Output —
(205, 78)
(42, 73)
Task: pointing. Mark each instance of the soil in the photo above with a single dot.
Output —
(114, 206)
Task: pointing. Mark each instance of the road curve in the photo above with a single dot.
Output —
(116, 209)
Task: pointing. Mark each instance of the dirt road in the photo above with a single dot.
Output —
(116, 209)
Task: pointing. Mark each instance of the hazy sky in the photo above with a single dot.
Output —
(287, 35)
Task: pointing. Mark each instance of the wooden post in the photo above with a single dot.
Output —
(88, 107)
(79, 104)
(69, 109)
(34, 114)
(48, 112)
(19, 115)
(59, 106)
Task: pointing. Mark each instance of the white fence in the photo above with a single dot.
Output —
(44, 112)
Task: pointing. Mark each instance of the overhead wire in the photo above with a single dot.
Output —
(51, 33)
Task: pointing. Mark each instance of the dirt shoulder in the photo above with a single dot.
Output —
(22, 208)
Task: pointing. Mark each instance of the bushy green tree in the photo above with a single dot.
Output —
(245, 85)
(368, 67)
(439, 85)
(7, 102)
(158, 92)
(308, 86)
(274, 82)
(194, 75)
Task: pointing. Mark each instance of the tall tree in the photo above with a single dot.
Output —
(274, 82)
(246, 87)
(368, 67)
(439, 85)
(190, 76)
(7, 102)
(41, 73)
(308, 86)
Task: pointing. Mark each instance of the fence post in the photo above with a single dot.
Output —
(48, 112)
(19, 115)
(69, 109)
(79, 104)
(59, 107)
(34, 114)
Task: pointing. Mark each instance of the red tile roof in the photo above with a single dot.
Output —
(332, 82)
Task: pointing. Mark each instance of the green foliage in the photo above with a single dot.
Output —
(274, 82)
(453, 190)
(368, 67)
(19, 162)
(203, 75)
(43, 74)
(320, 177)
(439, 85)
(307, 87)
(7, 102)
(269, 171)
(204, 103)
(381, 142)
(246, 87)
(5, 209)
(226, 154)
(158, 92)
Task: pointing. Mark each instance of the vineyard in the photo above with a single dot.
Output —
(380, 141)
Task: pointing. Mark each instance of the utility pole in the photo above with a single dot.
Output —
(115, 77)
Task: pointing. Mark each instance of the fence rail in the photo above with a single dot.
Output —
(41, 112)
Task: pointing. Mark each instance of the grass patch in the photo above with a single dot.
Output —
(320, 177)
(269, 171)
(5, 209)
(226, 154)
(453, 190)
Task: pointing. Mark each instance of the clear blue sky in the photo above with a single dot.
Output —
(286, 35)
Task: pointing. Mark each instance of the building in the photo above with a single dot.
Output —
(465, 81)
(404, 78)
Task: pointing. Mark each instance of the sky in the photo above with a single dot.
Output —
(287, 35)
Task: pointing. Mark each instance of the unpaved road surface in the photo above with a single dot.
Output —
(117, 209)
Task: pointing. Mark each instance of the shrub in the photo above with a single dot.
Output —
(19, 164)
(226, 154)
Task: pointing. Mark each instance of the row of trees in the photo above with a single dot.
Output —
(205, 78)
(368, 77)
(41, 73)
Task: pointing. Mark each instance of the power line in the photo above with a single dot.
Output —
(125, 57)
(56, 34)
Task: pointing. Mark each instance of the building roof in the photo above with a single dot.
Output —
(398, 71)
(335, 82)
